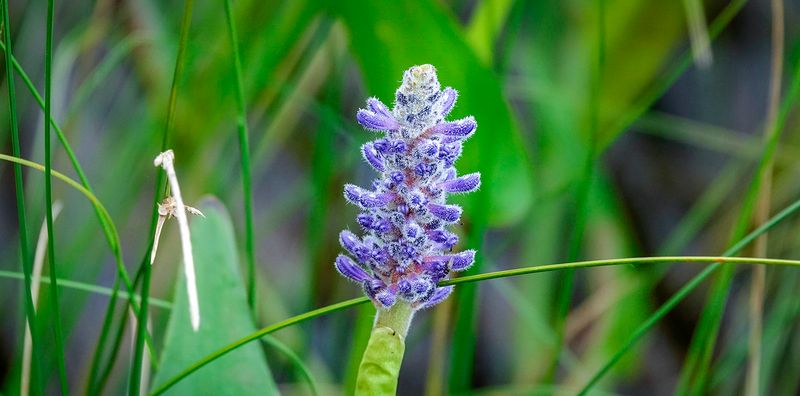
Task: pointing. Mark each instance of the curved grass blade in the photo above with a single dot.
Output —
(296, 361)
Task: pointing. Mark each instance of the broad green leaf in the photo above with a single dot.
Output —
(225, 318)
(388, 37)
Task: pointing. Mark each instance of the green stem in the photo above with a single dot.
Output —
(244, 154)
(380, 365)
(48, 198)
(30, 310)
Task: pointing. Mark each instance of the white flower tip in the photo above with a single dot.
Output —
(164, 158)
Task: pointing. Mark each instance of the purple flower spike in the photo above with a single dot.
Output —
(448, 213)
(351, 270)
(463, 184)
(460, 129)
(405, 249)
(371, 155)
(449, 97)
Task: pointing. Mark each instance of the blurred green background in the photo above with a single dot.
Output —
(606, 129)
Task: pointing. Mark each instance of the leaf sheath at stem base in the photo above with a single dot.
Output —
(380, 365)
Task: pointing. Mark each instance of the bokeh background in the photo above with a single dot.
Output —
(606, 129)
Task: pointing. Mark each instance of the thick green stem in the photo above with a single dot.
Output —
(380, 366)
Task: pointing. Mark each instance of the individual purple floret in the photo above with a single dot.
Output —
(406, 250)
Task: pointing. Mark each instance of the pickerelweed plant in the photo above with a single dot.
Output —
(406, 250)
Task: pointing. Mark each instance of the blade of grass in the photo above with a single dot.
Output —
(698, 33)
(696, 370)
(96, 387)
(22, 227)
(48, 198)
(87, 287)
(36, 279)
(485, 25)
(582, 194)
(244, 154)
(757, 284)
(141, 333)
(296, 361)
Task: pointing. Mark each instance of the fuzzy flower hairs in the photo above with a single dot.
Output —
(406, 249)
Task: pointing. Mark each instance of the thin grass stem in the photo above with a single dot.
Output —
(244, 155)
(758, 281)
(87, 287)
(48, 198)
(22, 229)
(36, 281)
(582, 194)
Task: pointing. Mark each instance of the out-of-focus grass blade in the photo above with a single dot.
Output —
(698, 32)
(389, 37)
(87, 287)
(225, 317)
(488, 20)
